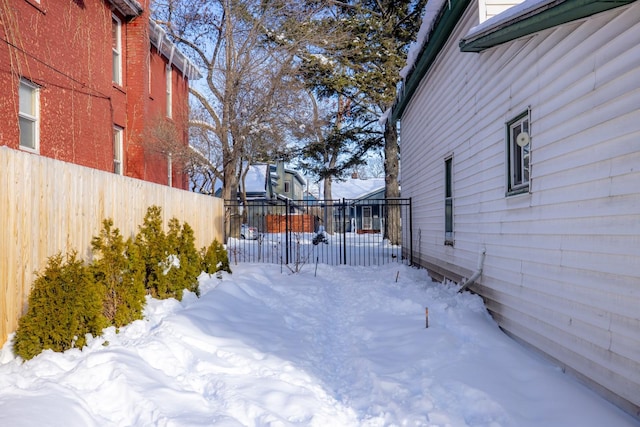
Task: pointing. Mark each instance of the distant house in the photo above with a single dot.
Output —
(95, 83)
(360, 205)
(272, 189)
(273, 183)
(521, 153)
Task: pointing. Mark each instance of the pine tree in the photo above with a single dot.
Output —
(360, 72)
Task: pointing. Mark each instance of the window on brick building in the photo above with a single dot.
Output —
(169, 93)
(116, 47)
(117, 150)
(29, 116)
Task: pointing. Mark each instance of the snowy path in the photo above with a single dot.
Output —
(264, 347)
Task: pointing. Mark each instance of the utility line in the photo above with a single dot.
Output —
(94, 93)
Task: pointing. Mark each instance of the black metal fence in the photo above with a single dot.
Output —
(358, 232)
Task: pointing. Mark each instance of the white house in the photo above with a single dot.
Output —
(520, 139)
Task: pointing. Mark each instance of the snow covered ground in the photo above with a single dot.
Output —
(264, 347)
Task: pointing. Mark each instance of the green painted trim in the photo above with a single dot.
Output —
(441, 32)
(556, 14)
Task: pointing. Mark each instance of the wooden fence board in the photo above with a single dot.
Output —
(48, 206)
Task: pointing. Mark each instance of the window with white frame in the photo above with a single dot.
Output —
(116, 48)
(367, 218)
(518, 154)
(287, 187)
(169, 92)
(118, 133)
(29, 116)
(448, 201)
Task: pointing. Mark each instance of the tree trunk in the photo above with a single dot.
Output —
(328, 210)
(230, 193)
(393, 223)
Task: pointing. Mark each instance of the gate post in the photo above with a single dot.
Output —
(286, 231)
(344, 231)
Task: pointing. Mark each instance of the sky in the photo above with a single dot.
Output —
(323, 346)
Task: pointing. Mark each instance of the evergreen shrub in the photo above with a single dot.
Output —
(151, 244)
(172, 262)
(70, 300)
(215, 258)
(120, 272)
(190, 260)
(65, 304)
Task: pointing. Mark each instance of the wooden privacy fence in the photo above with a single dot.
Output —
(277, 223)
(48, 206)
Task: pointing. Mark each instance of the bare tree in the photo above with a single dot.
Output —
(163, 138)
(249, 89)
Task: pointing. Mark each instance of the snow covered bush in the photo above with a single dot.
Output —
(151, 243)
(65, 305)
(181, 243)
(215, 258)
(171, 260)
(120, 272)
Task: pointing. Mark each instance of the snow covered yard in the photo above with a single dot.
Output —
(264, 347)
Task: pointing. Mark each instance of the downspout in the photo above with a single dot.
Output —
(471, 280)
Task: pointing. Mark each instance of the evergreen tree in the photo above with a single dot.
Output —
(362, 70)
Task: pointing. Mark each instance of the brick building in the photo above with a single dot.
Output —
(95, 83)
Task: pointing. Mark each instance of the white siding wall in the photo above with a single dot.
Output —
(562, 269)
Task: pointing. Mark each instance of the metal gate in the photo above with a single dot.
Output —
(358, 232)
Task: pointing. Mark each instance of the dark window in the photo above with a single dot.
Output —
(518, 153)
(448, 201)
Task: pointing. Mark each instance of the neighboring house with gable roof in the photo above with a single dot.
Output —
(95, 83)
(521, 153)
(363, 202)
(270, 189)
(273, 184)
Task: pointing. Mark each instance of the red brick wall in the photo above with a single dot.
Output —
(65, 48)
(61, 48)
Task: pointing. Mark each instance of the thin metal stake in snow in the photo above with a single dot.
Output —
(397, 275)
(426, 315)
(315, 274)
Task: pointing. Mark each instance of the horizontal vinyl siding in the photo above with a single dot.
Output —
(562, 262)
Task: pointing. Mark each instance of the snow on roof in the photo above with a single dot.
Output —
(431, 12)
(527, 7)
(166, 47)
(434, 7)
(355, 188)
(128, 8)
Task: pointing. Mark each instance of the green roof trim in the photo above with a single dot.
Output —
(547, 16)
(442, 29)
